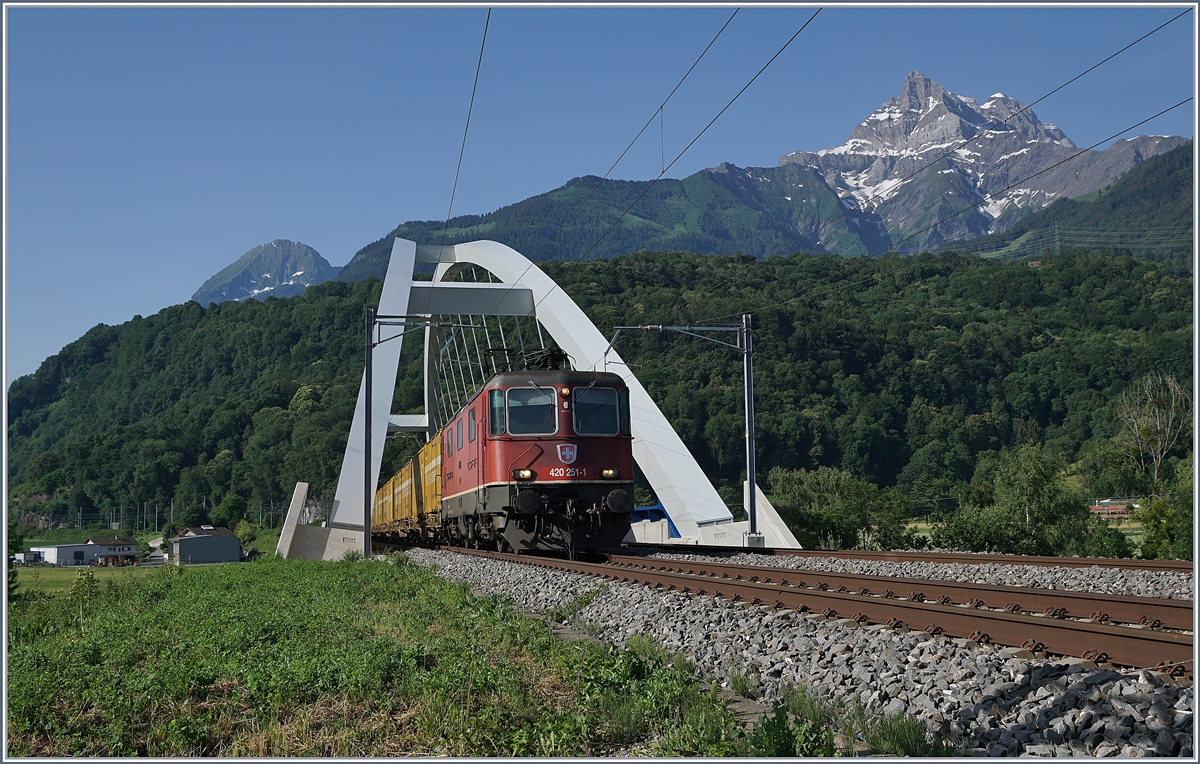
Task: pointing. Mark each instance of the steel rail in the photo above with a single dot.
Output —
(1120, 645)
(1146, 611)
(967, 558)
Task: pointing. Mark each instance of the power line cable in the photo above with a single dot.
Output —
(858, 205)
(698, 136)
(649, 122)
(1091, 204)
(980, 134)
(690, 144)
(657, 113)
(470, 108)
(1020, 182)
(1108, 198)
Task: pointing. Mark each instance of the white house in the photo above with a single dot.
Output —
(68, 554)
(119, 550)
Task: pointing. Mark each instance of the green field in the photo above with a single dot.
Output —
(53, 580)
(297, 658)
(1132, 529)
(367, 658)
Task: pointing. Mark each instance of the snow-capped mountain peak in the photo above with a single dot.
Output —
(978, 152)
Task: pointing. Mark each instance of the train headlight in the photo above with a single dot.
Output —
(610, 474)
(565, 391)
(522, 474)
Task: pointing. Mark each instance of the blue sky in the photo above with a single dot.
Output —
(147, 148)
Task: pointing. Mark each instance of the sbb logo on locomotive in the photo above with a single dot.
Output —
(566, 453)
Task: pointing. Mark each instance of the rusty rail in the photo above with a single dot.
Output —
(1145, 611)
(964, 558)
(1119, 645)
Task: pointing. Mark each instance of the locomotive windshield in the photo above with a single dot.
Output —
(596, 411)
(531, 411)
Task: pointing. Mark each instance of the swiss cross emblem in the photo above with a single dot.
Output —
(566, 453)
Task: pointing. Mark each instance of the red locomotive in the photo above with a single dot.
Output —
(538, 459)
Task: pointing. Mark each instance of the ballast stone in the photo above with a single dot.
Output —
(984, 700)
(1138, 583)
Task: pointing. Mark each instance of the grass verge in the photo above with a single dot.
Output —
(354, 658)
(46, 579)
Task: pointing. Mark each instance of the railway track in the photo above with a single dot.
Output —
(969, 558)
(1101, 642)
(1103, 608)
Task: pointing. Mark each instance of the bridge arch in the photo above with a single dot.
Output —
(524, 290)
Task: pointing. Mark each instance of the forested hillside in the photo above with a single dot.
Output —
(717, 212)
(1146, 213)
(203, 406)
(914, 373)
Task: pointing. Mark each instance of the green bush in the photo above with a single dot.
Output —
(898, 735)
(814, 708)
(1168, 520)
(830, 508)
(744, 681)
(777, 736)
(1030, 511)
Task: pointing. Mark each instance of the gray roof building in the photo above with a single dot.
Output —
(205, 544)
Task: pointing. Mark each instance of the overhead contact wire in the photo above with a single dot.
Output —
(657, 113)
(1031, 177)
(649, 122)
(693, 141)
(462, 150)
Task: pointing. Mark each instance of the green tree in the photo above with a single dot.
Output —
(246, 531)
(830, 507)
(231, 510)
(1156, 412)
(1030, 511)
(1168, 519)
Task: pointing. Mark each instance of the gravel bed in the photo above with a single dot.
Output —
(1134, 583)
(988, 701)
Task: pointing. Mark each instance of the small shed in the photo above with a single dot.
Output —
(205, 544)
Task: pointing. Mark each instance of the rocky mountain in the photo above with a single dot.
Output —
(880, 171)
(884, 189)
(1146, 213)
(280, 268)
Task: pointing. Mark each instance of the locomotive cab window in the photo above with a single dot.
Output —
(531, 411)
(458, 436)
(471, 425)
(625, 429)
(596, 411)
(495, 412)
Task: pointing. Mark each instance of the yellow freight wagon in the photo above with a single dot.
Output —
(412, 508)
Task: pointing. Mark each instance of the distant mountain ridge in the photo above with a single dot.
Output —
(810, 201)
(854, 199)
(980, 151)
(1146, 213)
(279, 268)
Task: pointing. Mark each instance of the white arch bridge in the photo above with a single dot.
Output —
(481, 292)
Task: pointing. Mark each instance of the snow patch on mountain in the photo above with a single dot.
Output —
(250, 276)
(984, 148)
